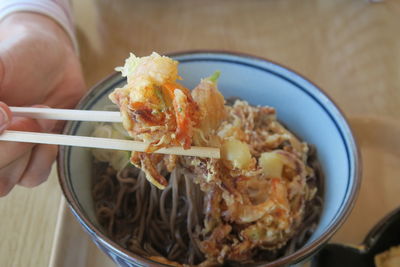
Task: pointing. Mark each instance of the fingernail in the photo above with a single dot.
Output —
(4, 119)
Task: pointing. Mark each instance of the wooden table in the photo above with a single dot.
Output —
(351, 49)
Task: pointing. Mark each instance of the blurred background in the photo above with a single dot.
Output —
(349, 48)
(341, 45)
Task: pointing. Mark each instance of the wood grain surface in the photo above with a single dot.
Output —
(350, 48)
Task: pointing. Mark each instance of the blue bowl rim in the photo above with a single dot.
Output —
(297, 256)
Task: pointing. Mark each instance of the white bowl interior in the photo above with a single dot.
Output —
(300, 106)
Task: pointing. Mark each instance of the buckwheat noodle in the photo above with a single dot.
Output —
(167, 223)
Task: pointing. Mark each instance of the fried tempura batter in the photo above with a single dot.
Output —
(155, 108)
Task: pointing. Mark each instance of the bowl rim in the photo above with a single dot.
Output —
(299, 255)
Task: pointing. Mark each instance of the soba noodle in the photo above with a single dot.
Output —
(167, 223)
(146, 220)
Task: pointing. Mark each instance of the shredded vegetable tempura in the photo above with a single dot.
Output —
(155, 109)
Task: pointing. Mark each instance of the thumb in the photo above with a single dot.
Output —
(5, 116)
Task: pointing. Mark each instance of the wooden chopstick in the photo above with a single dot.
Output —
(104, 143)
(91, 142)
(67, 114)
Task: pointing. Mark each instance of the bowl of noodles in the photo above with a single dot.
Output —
(286, 179)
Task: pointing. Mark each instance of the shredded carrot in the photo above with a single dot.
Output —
(183, 121)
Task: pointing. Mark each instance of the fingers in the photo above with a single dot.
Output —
(10, 174)
(30, 170)
(25, 163)
(11, 151)
(5, 116)
(39, 166)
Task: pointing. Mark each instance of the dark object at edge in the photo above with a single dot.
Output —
(384, 235)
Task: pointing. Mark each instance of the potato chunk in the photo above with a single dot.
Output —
(237, 152)
(272, 164)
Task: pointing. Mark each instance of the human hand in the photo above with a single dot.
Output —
(37, 66)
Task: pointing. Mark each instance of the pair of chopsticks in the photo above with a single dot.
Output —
(85, 141)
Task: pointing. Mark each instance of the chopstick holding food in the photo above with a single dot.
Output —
(91, 142)
(103, 143)
(66, 114)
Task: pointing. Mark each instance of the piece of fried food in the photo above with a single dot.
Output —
(155, 108)
(158, 110)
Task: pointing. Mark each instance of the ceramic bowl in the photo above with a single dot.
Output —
(300, 105)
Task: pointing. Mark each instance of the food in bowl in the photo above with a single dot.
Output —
(261, 201)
